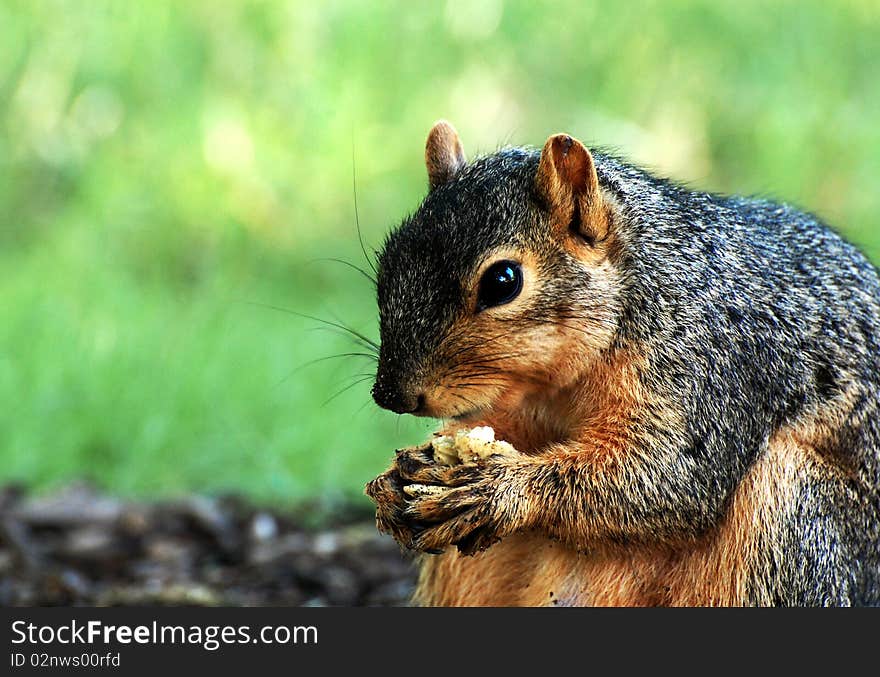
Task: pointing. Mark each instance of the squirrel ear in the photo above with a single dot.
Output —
(444, 155)
(568, 183)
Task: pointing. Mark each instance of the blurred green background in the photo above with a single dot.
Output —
(173, 174)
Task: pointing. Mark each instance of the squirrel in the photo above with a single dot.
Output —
(690, 381)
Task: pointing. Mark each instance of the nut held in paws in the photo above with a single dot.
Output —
(467, 446)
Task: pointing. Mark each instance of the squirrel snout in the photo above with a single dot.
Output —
(399, 400)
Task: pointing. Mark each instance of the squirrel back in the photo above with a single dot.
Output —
(692, 382)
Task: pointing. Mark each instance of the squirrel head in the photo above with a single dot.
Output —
(501, 285)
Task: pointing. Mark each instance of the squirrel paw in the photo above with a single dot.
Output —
(462, 505)
(386, 491)
(428, 503)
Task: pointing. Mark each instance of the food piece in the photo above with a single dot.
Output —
(467, 446)
(445, 451)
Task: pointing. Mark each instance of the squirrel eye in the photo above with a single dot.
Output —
(501, 283)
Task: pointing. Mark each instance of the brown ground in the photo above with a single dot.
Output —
(78, 546)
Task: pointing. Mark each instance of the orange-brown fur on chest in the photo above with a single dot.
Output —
(598, 406)
(723, 567)
(726, 565)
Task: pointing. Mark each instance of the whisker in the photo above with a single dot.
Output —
(356, 341)
(470, 345)
(586, 332)
(361, 408)
(346, 389)
(471, 404)
(334, 357)
(357, 219)
(478, 361)
(321, 359)
(337, 325)
(350, 265)
(477, 366)
(477, 383)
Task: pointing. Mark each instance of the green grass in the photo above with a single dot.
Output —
(170, 170)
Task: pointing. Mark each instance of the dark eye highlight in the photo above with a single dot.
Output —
(501, 283)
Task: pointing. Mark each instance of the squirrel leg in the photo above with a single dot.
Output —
(578, 493)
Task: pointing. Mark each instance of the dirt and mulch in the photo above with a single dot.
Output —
(78, 546)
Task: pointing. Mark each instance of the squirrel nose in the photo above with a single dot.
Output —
(395, 399)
